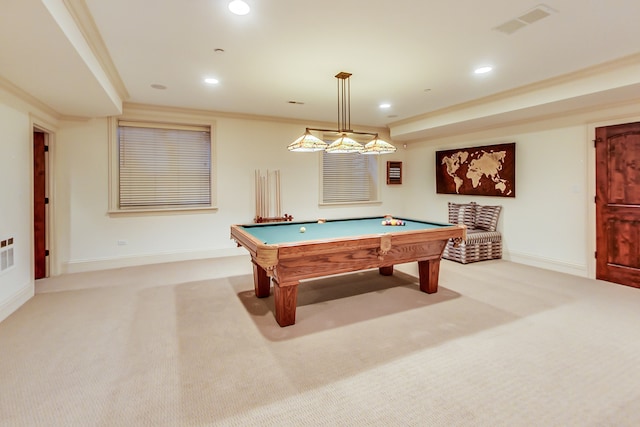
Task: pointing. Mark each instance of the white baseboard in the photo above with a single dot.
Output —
(16, 301)
(547, 263)
(131, 261)
(81, 266)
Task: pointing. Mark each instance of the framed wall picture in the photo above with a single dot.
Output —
(488, 170)
(394, 173)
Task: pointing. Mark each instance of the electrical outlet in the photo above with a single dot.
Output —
(122, 242)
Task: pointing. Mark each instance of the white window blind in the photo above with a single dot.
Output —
(349, 178)
(164, 166)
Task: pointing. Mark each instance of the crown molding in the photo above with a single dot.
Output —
(611, 83)
(86, 24)
(27, 98)
(133, 108)
(591, 72)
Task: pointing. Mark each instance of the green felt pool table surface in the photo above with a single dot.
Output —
(289, 232)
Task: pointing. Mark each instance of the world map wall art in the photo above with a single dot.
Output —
(489, 170)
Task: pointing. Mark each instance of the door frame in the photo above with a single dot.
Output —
(591, 187)
(38, 124)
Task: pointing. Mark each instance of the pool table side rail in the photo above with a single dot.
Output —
(332, 256)
(240, 234)
(372, 240)
(315, 258)
(305, 222)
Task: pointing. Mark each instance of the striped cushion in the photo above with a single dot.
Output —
(487, 217)
(463, 213)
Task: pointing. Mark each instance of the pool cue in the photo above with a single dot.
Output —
(279, 194)
(264, 197)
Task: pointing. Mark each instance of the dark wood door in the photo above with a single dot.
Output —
(618, 204)
(39, 206)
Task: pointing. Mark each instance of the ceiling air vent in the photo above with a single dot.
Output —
(534, 15)
(510, 27)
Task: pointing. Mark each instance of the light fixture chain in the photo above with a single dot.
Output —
(348, 82)
(339, 106)
(343, 144)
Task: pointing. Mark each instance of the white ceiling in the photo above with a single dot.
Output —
(419, 56)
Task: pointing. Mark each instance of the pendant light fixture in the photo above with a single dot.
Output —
(344, 144)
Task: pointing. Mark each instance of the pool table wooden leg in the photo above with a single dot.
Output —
(261, 281)
(386, 271)
(285, 301)
(428, 271)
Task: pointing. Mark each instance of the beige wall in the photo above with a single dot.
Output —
(545, 224)
(551, 221)
(17, 119)
(15, 206)
(89, 236)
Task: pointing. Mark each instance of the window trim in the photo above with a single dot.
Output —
(114, 172)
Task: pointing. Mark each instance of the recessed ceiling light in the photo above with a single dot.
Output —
(483, 70)
(385, 105)
(211, 81)
(239, 7)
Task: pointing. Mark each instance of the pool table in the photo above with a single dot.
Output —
(286, 254)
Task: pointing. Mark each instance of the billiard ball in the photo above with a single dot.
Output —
(302, 229)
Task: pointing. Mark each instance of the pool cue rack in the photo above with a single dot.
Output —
(268, 200)
(283, 218)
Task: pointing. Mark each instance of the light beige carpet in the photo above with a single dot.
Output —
(188, 344)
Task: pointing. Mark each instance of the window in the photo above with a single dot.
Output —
(349, 178)
(161, 167)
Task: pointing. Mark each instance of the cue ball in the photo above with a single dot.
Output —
(302, 229)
